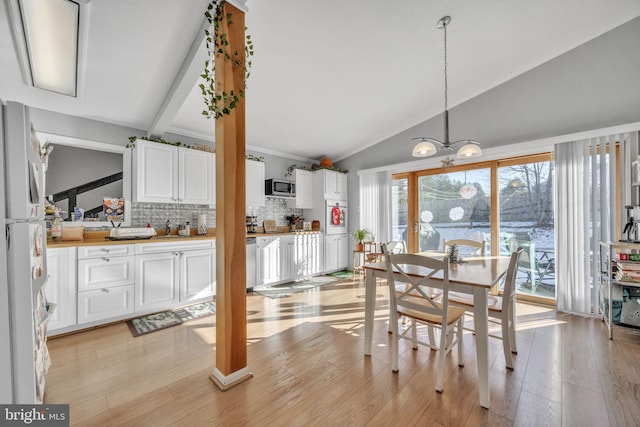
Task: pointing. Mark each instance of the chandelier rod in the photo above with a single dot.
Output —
(444, 22)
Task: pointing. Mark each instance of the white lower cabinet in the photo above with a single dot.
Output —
(267, 260)
(285, 258)
(197, 274)
(308, 256)
(156, 281)
(171, 273)
(61, 287)
(335, 252)
(287, 270)
(97, 284)
(105, 282)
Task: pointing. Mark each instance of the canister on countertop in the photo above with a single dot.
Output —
(315, 225)
(184, 229)
(202, 224)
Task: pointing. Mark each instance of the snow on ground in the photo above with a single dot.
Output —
(541, 238)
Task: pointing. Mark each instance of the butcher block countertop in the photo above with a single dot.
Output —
(99, 238)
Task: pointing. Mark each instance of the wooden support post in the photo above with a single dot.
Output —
(231, 303)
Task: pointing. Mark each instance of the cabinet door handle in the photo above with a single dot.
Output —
(105, 259)
(105, 290)
(176, 253)
(106, 250)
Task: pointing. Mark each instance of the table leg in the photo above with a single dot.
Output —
(369, 309)
(481, 323)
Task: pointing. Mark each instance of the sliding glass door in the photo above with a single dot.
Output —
(526, 221)
(507, 203)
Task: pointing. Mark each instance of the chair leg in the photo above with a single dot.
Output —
(432, 338)
(512, 328)
(441, 353)
(414, 334)
(506, 344)
(394, 343)
(460, 343)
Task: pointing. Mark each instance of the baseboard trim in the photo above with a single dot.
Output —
(226, 382)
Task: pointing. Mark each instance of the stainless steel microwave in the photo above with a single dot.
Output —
(279, 188)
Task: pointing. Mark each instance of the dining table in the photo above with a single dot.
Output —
(474, 276)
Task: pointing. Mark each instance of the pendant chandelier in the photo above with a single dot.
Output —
(427, 146)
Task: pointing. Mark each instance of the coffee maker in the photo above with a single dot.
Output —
(630, 231)
(252, 224)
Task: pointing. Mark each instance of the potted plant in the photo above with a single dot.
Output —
(359, 236)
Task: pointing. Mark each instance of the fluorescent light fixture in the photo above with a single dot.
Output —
(51, 33)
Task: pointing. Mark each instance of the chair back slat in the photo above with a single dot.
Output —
(397, 247)
(413, 296)
(478, 246)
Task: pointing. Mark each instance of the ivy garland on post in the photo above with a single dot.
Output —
(217, 105)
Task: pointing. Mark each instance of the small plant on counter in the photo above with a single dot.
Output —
(359, 236)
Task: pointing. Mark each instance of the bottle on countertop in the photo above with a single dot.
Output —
(56, 227)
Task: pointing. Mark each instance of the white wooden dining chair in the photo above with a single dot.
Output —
(502, 309)
(478, 247)
(414, 303)
(397, 247)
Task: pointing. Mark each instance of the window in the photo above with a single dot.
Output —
(508, 203)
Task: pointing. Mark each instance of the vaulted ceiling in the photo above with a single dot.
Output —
(328, 78)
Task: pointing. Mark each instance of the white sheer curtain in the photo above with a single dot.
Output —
(586, 207)
(375, 204)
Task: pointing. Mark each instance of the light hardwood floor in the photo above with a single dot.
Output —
(306, 354)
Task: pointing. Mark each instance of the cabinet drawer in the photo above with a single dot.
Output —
(105, 303)
(100, 251)
(154, 248)
(105, 272)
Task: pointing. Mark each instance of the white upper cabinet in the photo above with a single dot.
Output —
(334, 184)
(167, 174)
(255, 183)
(156, 172)
(304, 190)
(197, 177)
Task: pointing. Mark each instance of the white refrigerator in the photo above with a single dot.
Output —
(23, 274)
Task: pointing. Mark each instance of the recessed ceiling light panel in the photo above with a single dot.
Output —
(51, 33)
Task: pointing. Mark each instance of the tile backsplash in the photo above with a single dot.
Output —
(275, 209)
(157, 213)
